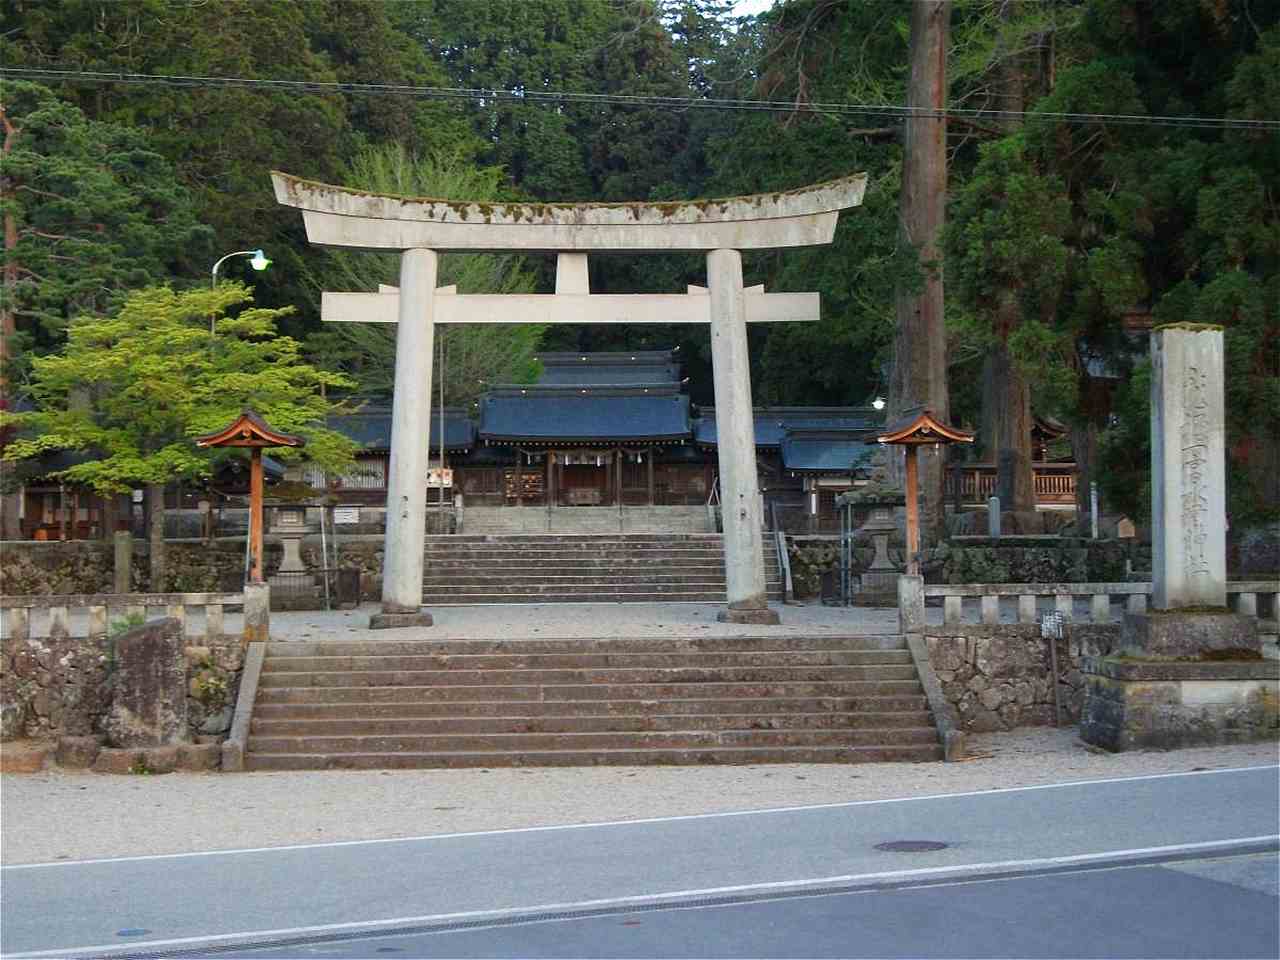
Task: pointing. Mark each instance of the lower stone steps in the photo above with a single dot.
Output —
(589, 758)
(599, 678)
(647, 700)
(636, 710)
(410, 726)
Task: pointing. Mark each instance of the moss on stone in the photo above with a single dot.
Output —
(1190, 327)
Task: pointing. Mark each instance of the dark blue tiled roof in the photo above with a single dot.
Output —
(824, 451)
(772, 423)
(541, 413)
(600, 369)
(372, 429)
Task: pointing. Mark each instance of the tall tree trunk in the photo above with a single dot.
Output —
(1006, 423)
(1084, 450)
(1006, 396)
(919, 376)
(1093, 406)
(155, 516)
(9, 500)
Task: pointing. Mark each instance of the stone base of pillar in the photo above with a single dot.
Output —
(1167, 705)
(1181, 633)
(758, 615)
(387, 621)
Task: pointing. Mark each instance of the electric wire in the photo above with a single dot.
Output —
(487, 97)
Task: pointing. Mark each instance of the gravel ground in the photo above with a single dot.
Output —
(69, 815)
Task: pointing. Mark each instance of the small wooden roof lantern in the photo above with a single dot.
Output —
(250, 430)
(914, 428)
(918, 426)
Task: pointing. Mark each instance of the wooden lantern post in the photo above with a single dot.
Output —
(913, 429)
(250, 430)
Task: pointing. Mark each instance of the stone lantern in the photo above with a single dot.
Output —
(290, 526)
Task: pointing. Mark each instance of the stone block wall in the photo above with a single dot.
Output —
(43, 568)
(998, 677)
(62, 686)
(979, 560)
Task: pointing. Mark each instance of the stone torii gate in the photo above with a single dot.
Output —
(420, 227)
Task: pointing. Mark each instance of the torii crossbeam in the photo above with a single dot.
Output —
(419, 227)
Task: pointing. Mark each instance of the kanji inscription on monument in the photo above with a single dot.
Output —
(1195, 463)
(1188, 468)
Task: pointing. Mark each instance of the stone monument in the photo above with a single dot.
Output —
(1189, 671)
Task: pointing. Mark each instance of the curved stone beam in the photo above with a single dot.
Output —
(340, 217)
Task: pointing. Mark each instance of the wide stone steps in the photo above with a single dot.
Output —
(596, 677)
(919, 753)
(585, 661)
(579, 568)
(308, 693)
(677, 700)
(669, 645)
(505, 724)
(628, 740)
(524, 711)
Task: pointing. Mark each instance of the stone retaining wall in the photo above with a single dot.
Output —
(42, 568)
(999, 677)
(979, 560)
(62, 686)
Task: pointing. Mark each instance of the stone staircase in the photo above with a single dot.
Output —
(618, 568)
(670, 700)
(585, 520)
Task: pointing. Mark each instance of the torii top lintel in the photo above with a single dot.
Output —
(341, 217)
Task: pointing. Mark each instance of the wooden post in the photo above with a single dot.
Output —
(650, 474)
(913, 513)
(255, 516)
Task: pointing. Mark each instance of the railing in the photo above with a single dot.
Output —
(1053, 483)
(318, 589)
(784, 559)
(1135, 596)
(100, 606)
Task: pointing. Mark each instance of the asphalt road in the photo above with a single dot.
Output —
(163, 905)
(1193, 909)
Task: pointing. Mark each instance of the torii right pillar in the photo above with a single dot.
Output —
(741, 510)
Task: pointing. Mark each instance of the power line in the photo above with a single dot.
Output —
(562, 98)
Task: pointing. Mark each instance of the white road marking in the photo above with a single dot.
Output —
(968, 872)
(625, 823)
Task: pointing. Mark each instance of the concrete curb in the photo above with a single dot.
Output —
(234, 746)
(944, 715)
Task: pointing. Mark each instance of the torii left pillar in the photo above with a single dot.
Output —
(402, 560)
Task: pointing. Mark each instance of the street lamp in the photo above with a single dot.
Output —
(258, 260)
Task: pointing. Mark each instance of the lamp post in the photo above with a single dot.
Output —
(258, 261)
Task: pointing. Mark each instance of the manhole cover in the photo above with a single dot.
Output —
(911, 846)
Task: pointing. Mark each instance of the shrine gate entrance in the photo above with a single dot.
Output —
(419, 228)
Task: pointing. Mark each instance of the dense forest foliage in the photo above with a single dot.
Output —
(1066, 236)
